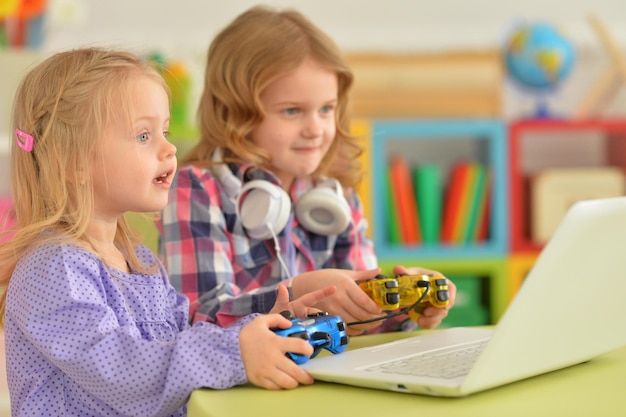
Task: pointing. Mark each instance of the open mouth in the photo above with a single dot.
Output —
(163, 178)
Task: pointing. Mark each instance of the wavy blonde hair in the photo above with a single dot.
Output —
(64, 103)
(258, 47)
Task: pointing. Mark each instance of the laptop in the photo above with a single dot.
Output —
(570, 308)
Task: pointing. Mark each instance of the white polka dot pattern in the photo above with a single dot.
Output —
(86, 340)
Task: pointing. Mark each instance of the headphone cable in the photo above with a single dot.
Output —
(277, 249)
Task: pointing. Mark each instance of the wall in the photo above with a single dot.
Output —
(355, 25)
(183, 29)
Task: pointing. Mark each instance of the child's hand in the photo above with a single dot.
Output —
(432, 316)
(302, 306)
(349, 301)
(263, 353)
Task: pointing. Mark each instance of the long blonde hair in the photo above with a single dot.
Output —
(258, 47)
(65, 103)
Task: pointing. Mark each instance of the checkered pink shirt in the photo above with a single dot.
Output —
(226, 274)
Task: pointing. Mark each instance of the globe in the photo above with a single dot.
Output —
(538, 57)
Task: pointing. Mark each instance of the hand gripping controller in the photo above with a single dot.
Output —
(412, 287)
(321, 330)
(406, 291)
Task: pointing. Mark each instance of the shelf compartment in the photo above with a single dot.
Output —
(536, 145)
(443, 143)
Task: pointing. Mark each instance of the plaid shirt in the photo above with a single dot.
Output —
(227, 275)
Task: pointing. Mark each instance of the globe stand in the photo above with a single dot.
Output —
(542, 110)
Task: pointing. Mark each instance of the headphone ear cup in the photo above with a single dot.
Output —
(263, 206)
(324, 210)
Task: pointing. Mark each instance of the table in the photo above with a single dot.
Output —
(595, 388)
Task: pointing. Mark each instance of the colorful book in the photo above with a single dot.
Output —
(484, 213)
(393, 227)
(477, 191)
(462, 223)
(455, 202)
(404, 196)
(428, 193)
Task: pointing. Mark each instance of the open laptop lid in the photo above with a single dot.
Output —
(570, 309)
(572, 304)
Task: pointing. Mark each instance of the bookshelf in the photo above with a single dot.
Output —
(515, 153)
(479, 268)
(443, 143)
(536, 146)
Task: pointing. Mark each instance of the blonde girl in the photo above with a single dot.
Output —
(92, 324)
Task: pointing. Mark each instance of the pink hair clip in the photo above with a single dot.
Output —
(24, 140)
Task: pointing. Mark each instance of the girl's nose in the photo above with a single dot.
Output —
(313, 126)
(169, 149)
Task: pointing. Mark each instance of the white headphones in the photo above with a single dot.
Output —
(264, 207)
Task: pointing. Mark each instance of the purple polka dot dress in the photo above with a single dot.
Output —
(84, 339)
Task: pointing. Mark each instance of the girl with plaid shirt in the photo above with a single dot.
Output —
(274, 131)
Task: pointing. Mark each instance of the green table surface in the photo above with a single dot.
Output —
(595, 388)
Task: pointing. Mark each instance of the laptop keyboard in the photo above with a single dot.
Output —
(449, 363)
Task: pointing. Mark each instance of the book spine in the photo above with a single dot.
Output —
(427, 185)
(404, 196)
(393, 227)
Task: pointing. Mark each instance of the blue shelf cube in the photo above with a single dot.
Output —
(443, 143)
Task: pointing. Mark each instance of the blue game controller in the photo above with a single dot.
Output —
(321, 330)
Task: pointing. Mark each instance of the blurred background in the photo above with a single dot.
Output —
(181, 31)
(529, 90)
